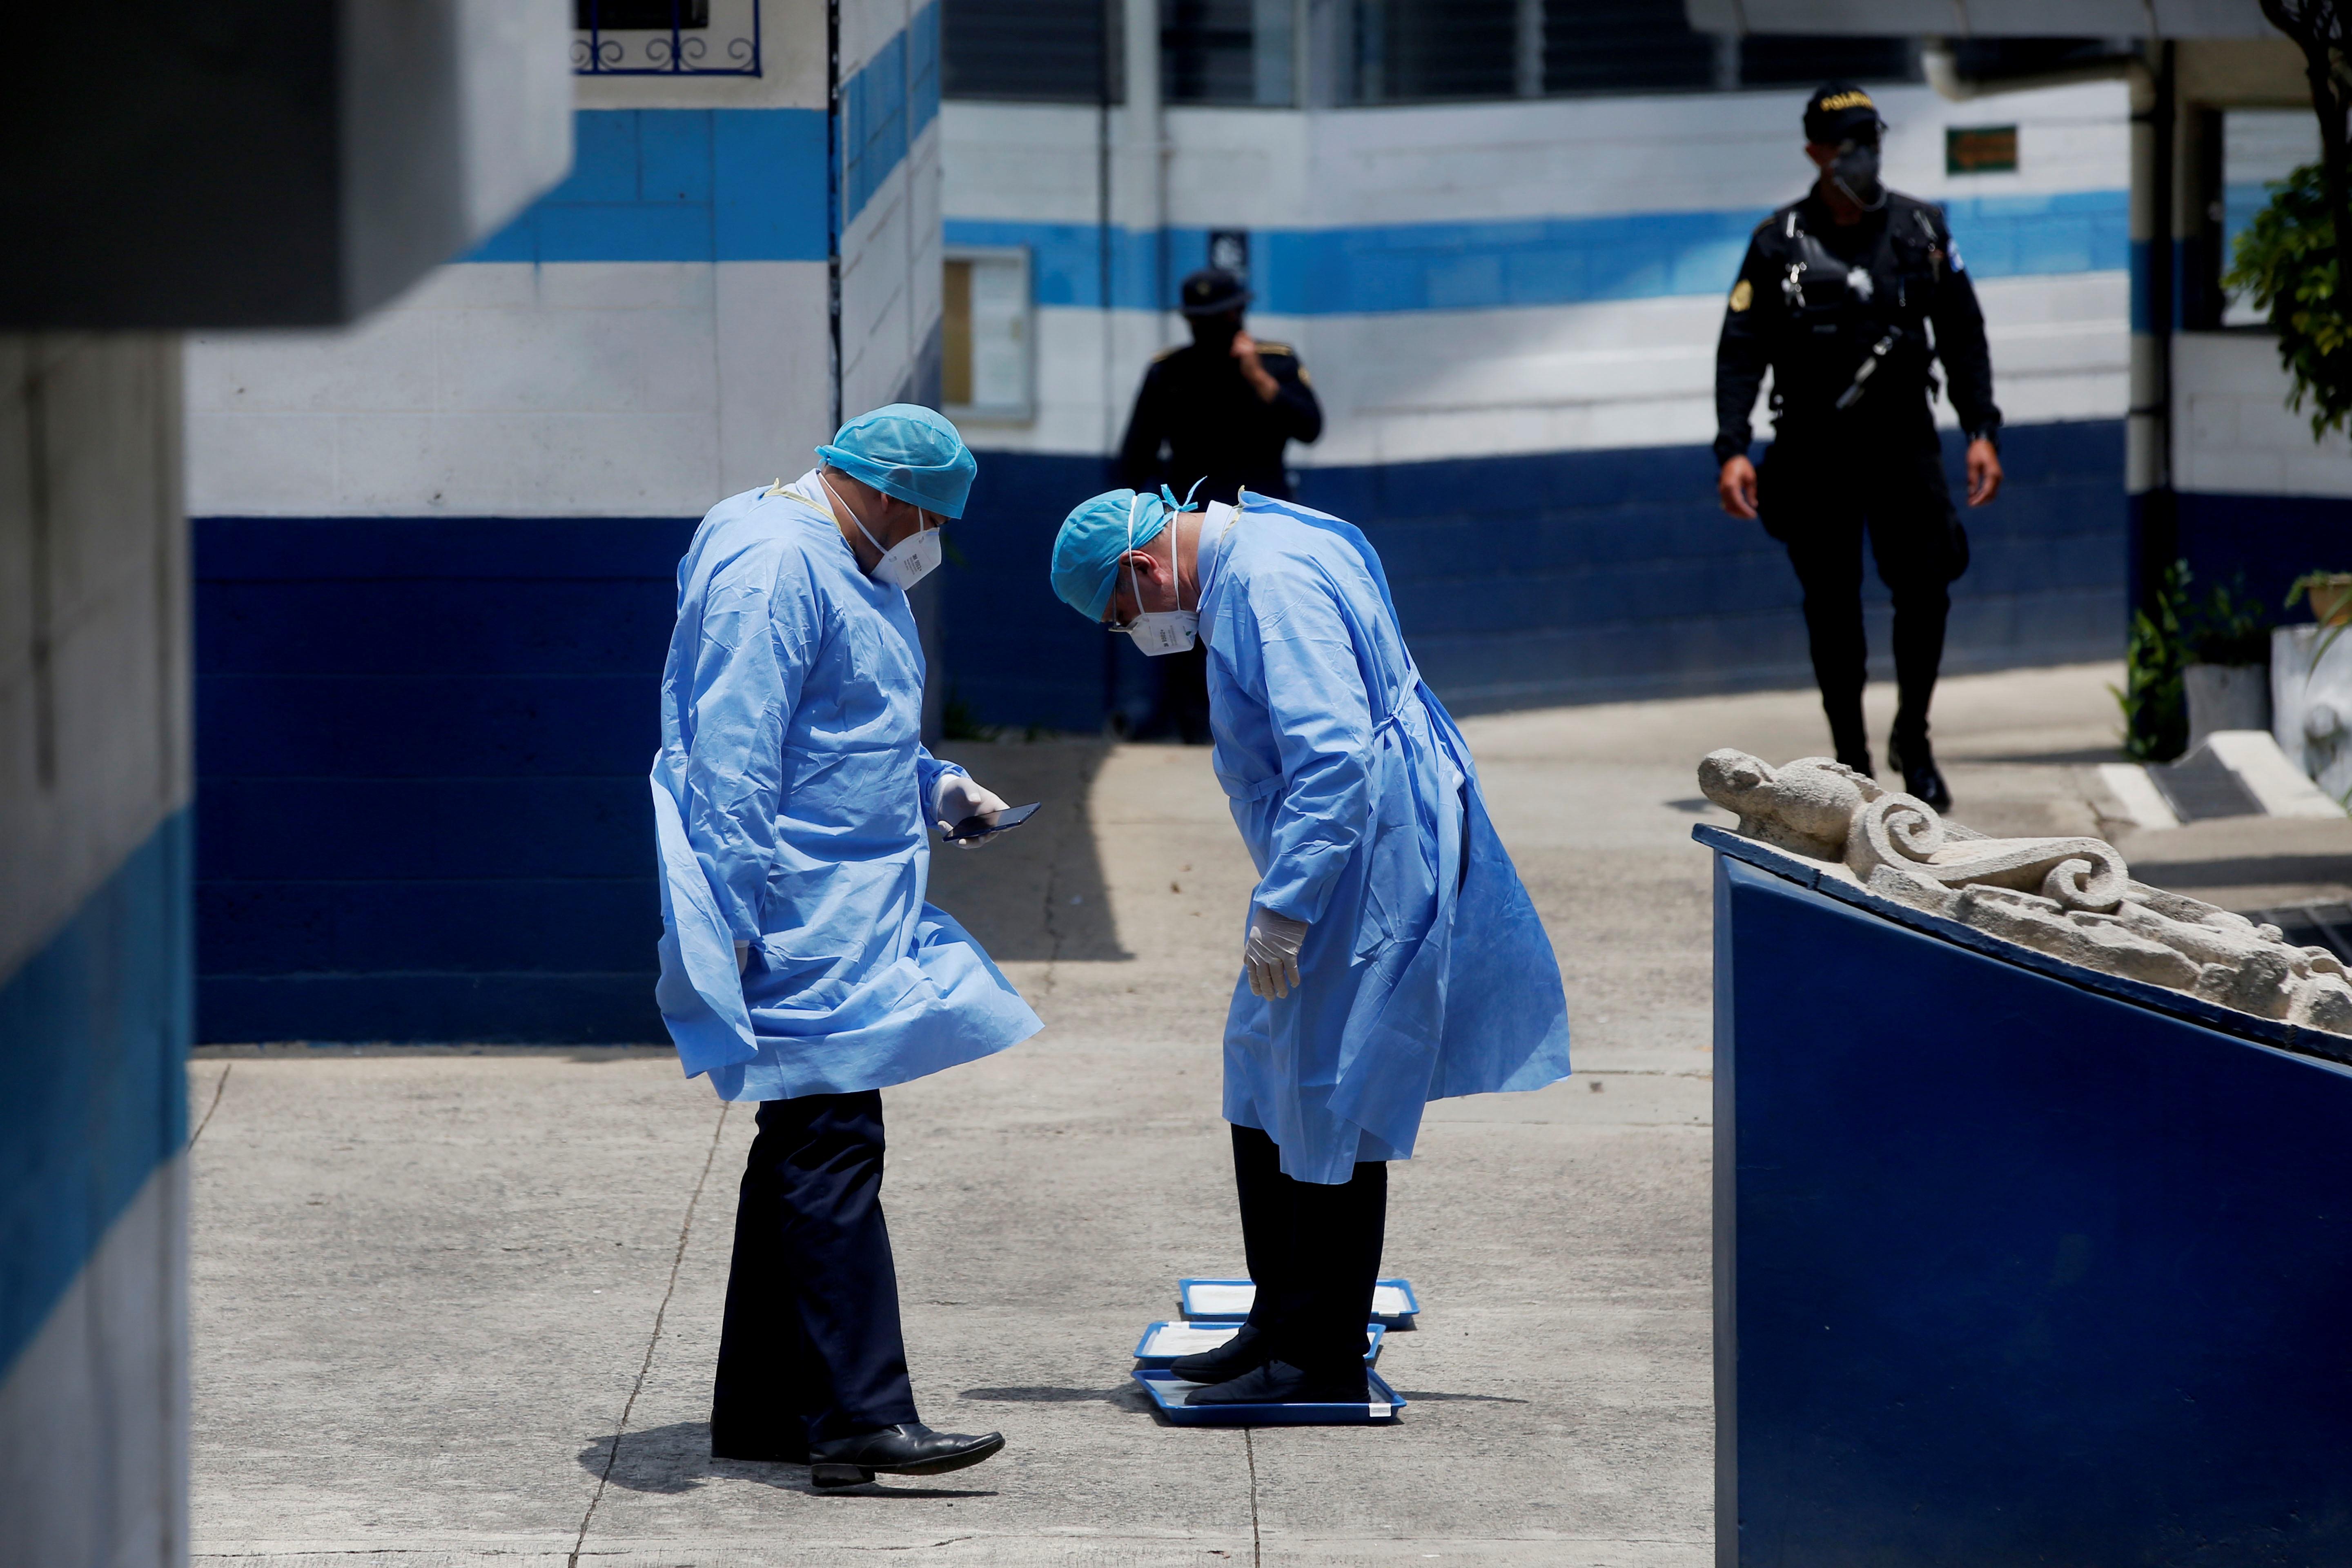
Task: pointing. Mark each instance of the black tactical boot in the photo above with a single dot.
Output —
(1916, 763)
(1246, 1352)
(1279, 1383)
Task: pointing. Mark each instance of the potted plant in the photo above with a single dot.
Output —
(2330, 594)
(2227, 676)
(2156, 712)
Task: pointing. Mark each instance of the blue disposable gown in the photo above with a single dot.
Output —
(1426, 972)
(790, 806)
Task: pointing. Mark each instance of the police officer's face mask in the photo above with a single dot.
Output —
(1854, 171)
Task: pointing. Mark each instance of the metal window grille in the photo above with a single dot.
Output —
(665, 37)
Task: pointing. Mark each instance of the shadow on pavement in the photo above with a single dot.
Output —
(676, 1458)
(1127, 1396)
(2048, 759)
(2244, 871)
(1037, 892)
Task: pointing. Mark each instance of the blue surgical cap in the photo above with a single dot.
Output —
(908, 452)
(1094, 536)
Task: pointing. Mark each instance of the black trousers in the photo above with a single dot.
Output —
(811, 1348)
(1314, 1252)
(1819, 498)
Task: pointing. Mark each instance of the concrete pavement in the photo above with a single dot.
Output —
(461, 1307)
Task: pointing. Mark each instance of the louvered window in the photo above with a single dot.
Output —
(1389, 51)
(1048, 51)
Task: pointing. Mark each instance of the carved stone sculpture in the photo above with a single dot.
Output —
(2073, 899)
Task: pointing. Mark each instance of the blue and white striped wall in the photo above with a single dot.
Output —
(94, 953)
(2257, 498)
(435, 552)
(1510, 311)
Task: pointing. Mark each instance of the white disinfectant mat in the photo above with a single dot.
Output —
(1393, 1303)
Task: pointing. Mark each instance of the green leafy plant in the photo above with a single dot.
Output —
(2288, 263)
(2154, 701)
(2173, 631)
(2297, 258)
(2300, 588)
(2330, 616)
(2226, 626)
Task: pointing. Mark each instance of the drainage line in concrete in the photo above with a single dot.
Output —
(1053, 890)
(644, 1368)
(220, 1086)
(1257, 1546)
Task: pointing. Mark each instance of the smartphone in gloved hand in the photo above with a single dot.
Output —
(987, 824)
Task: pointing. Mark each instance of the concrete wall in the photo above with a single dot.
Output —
(1469, 280)
(1509, 311)
(495, 478)
(94, 951)
(2259, 501)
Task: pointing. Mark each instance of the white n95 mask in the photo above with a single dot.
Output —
(1157, 632)
(905, 564)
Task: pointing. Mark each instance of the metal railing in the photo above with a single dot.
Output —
(665, 37)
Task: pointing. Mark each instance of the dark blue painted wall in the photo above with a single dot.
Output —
(2013, 1271)
(420, 756)
(1570, 576)
(93, 1048)
(2269, 541)
(422, 741)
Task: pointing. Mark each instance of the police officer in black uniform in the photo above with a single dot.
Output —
(1217, 413)
(1849, 296)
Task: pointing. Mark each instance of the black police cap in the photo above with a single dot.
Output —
(1212, 291)
(1837, 110)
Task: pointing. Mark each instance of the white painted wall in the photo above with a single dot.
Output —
(1423, 385)
(1269, 168)
(792, 66)
(94, 756)
(94, 1413)
(1415, 384)
(890, 280)
(93, 619)
(2233, 433)
(587, 389)
(576, 389)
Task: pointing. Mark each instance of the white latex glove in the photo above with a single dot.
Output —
(1272, 952)
(960, 797)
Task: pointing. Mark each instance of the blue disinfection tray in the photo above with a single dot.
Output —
(1168, 1392)
(1394, 1305)
(1164, 1342)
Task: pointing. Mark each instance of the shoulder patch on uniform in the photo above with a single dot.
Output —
(1742, 296)
(1264, 347)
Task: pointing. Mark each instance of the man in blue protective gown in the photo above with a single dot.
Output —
(1391, 957)
(800, 966)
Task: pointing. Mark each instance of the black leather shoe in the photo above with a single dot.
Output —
(1246, 1352)
(1916, 763)
(1279, 1383)
(913, 1449)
